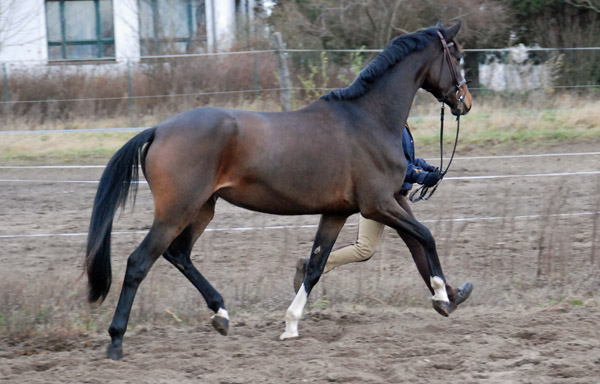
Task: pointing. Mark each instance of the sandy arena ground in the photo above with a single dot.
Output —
(529, 245)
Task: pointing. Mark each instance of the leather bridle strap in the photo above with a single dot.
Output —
(458, 81)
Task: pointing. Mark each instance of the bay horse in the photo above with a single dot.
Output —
(337, 156)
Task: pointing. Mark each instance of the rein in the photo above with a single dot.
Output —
(424, 192)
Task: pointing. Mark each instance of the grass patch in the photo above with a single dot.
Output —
(566, 120)
(61, 148)
(491, 122)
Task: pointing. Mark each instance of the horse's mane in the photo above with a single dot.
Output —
(396, 50)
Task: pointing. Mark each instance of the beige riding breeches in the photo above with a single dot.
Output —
(369, 234)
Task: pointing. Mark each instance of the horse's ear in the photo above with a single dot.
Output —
(438, 24)
(453, 30)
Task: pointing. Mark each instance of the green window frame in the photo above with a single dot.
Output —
(75, 35)
(166, 28)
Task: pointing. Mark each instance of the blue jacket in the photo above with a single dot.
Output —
(416, 169)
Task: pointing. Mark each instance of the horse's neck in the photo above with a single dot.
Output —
(391, 97)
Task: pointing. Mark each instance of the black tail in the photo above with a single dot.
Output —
(115, 183)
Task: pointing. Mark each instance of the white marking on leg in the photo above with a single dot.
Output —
(294, 313)
(439, 289)
(222, 312)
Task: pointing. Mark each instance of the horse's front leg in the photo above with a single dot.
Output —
(390, 213)
(329, 228)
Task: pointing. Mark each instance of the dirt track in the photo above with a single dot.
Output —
(532, 317)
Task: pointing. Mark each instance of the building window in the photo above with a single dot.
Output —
(172, 26)
(80, 29)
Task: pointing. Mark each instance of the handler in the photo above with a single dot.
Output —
(369, 231)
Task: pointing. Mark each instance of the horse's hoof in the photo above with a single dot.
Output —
(114, 353)
(441, 307)
(221, 324)
(288, 336)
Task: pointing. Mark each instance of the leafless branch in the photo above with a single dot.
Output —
(594, 5)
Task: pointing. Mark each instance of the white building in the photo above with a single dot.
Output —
(516, 72)
(46, 31)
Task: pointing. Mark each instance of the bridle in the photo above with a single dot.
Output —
(424, 192)
(457, 80)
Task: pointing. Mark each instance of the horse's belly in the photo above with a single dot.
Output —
(287, 201)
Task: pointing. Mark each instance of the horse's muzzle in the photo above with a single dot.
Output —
(464, 102)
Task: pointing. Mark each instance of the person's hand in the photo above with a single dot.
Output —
(431, 178)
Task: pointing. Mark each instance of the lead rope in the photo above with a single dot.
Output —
(423, 191)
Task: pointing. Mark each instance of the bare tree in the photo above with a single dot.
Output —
(334, 24)
(344, 24)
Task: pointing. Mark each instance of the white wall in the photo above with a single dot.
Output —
(516, 73)
(220, 24)
(23, 31)
(127, 30)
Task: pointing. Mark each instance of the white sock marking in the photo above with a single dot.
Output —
(221, 313)
(439, 289)
(294, 313)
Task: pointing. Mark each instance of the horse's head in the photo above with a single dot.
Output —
(444, 78)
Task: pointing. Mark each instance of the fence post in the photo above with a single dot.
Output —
(255, 73)
(5, 82)
(506, 68)
(284, 73)
(130, 92)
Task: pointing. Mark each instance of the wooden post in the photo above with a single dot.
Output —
(285, 95)
(5, 82)
(130, 93)
(255, 75)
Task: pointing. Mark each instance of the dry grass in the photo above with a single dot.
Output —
(84, 147)
(496, 120)
(59, 148)
(540, 118)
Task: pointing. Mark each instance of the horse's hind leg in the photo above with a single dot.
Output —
(329, 228)
(138, 265)
(178, 254)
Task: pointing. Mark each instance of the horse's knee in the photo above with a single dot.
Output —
(427, 239)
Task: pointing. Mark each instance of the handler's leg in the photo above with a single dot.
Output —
(369, 234)
(329, 228)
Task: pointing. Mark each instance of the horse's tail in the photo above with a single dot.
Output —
(120, 175)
